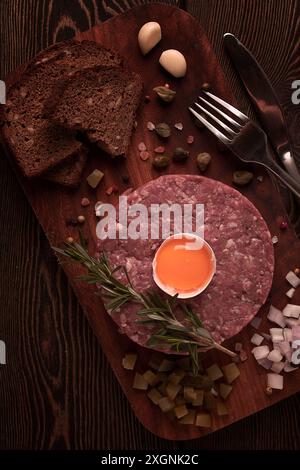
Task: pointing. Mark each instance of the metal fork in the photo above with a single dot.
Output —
(242, 136)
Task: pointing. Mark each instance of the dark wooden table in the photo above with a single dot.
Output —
(57, 390)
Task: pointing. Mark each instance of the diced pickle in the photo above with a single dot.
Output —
(189, 394)
(155, 361)
(214, 372)
(166, 404)
(203, 420)
(154, 395)
(222, 409)
(166, 365)
(180, 411)
(179, 400)
(151, 378)
(209, 401)
(225, 390)
(94, 178)
(172, 390)
(176, 376)
(189, 418)
(139, 382)
(129, 361)
(198, 400)
(231, 372)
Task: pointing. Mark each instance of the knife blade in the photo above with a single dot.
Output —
(264, 101)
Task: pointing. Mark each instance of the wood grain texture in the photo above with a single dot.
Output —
(55, 384)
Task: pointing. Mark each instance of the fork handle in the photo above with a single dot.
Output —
(283, 176)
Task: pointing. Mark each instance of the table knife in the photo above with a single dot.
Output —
(264, 100)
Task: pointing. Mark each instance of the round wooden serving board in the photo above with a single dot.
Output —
(53, 205)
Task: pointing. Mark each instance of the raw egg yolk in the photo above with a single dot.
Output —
(182, 268)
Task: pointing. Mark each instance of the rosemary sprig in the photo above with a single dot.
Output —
(189, 336)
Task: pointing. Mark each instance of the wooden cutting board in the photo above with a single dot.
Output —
(54, 205)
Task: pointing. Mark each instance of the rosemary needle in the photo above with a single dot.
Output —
(156, 311)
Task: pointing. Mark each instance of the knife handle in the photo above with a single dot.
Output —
(283, 176)
(290, 165)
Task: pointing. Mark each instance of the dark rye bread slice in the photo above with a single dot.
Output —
(101, 102)
(38, 144)
(69, 173)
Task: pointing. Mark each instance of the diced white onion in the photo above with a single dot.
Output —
(265, 363)
(292, 322)
(293, 279)
(290, 293)
(291, 310)
(275, 315)
(277, 367)
(295, 332)
(275, 356)
(260, 352)
(276, 334)
(256, 322)
(275, 381)
(257, 339)
(288, 334)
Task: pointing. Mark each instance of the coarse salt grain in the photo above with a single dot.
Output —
(159, 149)
(274, 239)
(85, 202)
(178, 126)
(150, 126)
(144, 155)
(142, 146)
(190, 139)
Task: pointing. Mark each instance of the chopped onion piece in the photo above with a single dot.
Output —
(276, 316)
(260, 352)
(256, 322)
(290, 293)
(265, 363)
(291, 310)
(295, 332)
(275, 381)
(288, 334)
(277, 367)
(275, 356)
(276, 334)
(257, 339)
(289, 368)
(283, 346)
(292, 322)
(293, 279)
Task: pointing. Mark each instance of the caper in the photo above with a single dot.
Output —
(241, 178)
(164, 93)
(163, 130)
(160, 161)
(203, 160)
(180, 155)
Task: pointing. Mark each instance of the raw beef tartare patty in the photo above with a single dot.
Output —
(239, 237)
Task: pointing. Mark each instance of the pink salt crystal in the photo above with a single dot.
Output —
(142, 147)
(150, 126)
(190, 139)
(159, 149)
(85, 202)
(144, 155)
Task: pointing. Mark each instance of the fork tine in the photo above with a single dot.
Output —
(228, 118)
(209, 126)
(228, 106)
(230, 131)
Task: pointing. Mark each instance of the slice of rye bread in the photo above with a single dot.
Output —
(38, 144)
(69, 173)
(100, 102)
